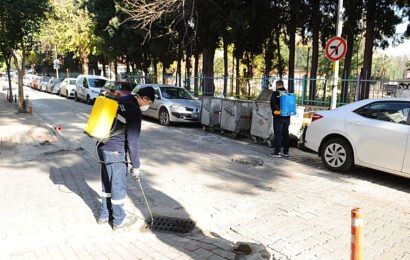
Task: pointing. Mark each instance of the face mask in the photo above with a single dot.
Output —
(144, 108)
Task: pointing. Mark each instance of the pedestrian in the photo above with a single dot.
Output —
(280, 123)
(124, 138)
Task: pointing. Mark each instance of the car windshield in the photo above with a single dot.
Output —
(175, 93)
(45, 79)
(97, 83)
(72, 81)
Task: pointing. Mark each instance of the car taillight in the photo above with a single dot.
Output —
(316, 117)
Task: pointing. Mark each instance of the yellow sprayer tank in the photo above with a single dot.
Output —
(101, 117)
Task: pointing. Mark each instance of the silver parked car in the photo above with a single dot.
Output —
(172, 104)
(67, 87)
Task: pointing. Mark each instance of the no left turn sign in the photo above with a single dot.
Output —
(336, 48)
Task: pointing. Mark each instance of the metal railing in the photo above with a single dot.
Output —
(308, 91)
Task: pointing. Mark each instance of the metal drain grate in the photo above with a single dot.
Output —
(169, 224)
(249, 161)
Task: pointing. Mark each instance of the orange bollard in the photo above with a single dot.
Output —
(357, 235)
(30, 108)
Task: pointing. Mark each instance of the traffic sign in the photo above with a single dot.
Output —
(56, 64)
(336, 48)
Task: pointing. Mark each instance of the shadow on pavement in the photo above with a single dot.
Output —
(196, 243)
(72, 177)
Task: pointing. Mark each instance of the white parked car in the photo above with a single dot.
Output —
(67, 87)
(372, 133)
(88, 87)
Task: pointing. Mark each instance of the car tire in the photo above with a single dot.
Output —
(337, 155)
(88, 100)
(163, 117)
(76, 99)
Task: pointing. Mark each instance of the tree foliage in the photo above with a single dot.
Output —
(20, 21)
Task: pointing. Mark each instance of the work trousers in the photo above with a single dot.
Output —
(113, 178)
(281, 132)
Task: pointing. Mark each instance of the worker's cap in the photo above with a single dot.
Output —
(147, 92)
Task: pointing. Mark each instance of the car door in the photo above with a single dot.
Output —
(84, 88)
(379, 132)
(153, 108)
(406, 161)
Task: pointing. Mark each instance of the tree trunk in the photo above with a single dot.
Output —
(116, 69)
(269, 54)
(164, 73)
(315, 49)
(208, 71)
(84, 63)
(104, 69)
(225, 48)
(280, 64)
(196, 74)
(188, 67)
(179, 70)
(8, 66)
(20, 74)
(292, 47)
(237, 85)
(347, 67)
(368, 48)
(155, 67)
(128, 67)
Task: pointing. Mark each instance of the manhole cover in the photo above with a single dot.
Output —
(248, 161)
(175, 225)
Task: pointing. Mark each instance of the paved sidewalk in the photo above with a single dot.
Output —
(293, 206)
(49, 200)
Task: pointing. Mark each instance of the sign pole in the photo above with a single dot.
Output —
(336, 63)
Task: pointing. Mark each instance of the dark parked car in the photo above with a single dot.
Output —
(117, 88)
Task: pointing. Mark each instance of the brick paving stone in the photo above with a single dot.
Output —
(202, 252)
(216, 257)
(67, 251)
(224, 254)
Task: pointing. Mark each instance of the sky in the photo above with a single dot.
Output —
(402, 49)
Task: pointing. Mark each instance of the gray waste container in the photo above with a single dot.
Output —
(236, 116)
(262, 122)
(205, 111)
(211, 113)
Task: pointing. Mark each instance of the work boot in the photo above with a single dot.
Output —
(127, 222)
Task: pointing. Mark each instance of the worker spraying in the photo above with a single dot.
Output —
(123, 137)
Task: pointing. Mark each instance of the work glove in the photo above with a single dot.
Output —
(135, 172)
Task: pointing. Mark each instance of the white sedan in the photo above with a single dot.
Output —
(372, 133)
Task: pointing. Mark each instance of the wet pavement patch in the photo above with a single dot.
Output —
(173, 225)
(248, 161)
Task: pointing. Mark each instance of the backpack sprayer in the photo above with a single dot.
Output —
(103, 119)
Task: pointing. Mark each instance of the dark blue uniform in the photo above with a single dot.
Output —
(124, 138)
(280, 124)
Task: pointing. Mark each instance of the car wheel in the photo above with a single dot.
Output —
(88, 100)
(163, 117)
(76, 97)
(337, 155)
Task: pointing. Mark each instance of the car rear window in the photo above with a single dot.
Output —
(72, 82)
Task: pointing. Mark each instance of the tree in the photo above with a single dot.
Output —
(294, 21)
(18, 27)
(70, 28)
(377, 33)
(351, 30)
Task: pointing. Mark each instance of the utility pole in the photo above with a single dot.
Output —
(339, 27)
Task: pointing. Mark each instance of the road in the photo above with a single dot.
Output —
(293, 206)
